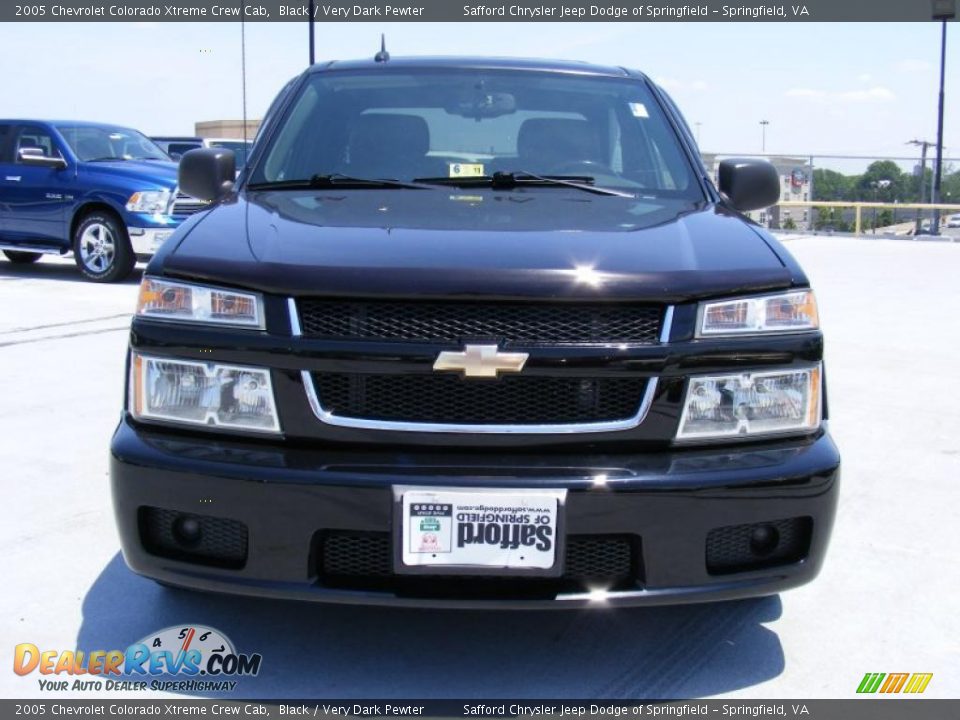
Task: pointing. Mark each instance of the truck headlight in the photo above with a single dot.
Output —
(785, 312)
(208, 394)
(151, 202)
(185, 302)
(751, 403)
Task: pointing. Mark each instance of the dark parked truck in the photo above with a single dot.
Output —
(106, 193)
(475, 332)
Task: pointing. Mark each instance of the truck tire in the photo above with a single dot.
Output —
(18, 257)
(101, 248)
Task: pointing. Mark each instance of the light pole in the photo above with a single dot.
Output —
(943, 10)
(877, 185)
(923, 186)
(310, 20)
(763, 135)
(243, 70)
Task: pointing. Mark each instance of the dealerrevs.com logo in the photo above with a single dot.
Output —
(201, 658)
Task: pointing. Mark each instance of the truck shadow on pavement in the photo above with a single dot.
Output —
(327, 651)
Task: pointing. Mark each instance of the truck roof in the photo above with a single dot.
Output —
(478, 63)
(72, 123)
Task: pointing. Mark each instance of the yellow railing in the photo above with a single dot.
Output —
(859, 206)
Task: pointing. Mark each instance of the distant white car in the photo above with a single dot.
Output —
(176, 146)
(953, 221)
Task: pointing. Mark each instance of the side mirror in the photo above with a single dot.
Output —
(207, 173)
(36, 157)
(749, 184)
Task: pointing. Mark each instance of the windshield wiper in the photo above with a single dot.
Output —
(523, 177)
(106, 158)
(340, 181)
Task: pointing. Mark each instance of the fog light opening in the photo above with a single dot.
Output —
(187, 531)
(764, 540)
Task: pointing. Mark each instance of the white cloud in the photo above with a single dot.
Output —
(866, 77)
(913, 65)
(676, 85)
(804, 93)
(874, 94)
(877, 93)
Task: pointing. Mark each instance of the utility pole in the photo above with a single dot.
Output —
(310, 20)
(943, 10)
(243, 71)
(763, 135)
(924, 144)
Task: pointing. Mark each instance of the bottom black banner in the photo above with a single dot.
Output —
(853, 709)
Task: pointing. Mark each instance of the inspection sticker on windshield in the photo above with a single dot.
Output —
(486, 528)
(639, 110)
(466, 170)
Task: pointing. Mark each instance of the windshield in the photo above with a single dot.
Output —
(239, 147)
(91, 143)
(461, 124)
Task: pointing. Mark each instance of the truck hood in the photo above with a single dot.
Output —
(536, 243)
(156, 172)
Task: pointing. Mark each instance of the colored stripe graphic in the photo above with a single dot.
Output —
(870, 682)
(894, 682)
(918, 682)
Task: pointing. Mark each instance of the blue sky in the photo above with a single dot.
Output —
(851, 88)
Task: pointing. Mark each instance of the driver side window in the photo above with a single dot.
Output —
(37, 139)
(6, 151)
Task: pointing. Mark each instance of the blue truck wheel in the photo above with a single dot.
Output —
(101, 248)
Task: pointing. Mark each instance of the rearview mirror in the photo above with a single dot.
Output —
(36, 156)
(481, 105)
(749, 184)
(207, 173)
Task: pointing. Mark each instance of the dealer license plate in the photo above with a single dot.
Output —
(473, 529)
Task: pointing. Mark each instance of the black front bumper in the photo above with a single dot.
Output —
(315, 524)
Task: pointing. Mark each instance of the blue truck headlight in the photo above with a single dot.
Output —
(151, 202)
(208, 394)
(766, 402)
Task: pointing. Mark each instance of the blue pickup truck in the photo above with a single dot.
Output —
(106, 193)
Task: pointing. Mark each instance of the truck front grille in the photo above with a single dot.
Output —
(456, 322)
(187, 205)
(364, 561)
(508, 400)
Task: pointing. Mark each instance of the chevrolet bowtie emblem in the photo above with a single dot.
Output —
(480, 361)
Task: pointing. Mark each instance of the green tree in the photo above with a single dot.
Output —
(950, 188)
(883, 181)
(831, 185)
(830, 218)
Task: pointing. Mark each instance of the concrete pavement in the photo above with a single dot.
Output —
(885, 602)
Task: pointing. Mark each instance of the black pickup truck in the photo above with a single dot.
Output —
(475, 332)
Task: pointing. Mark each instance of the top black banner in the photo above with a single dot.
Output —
(474, 10)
